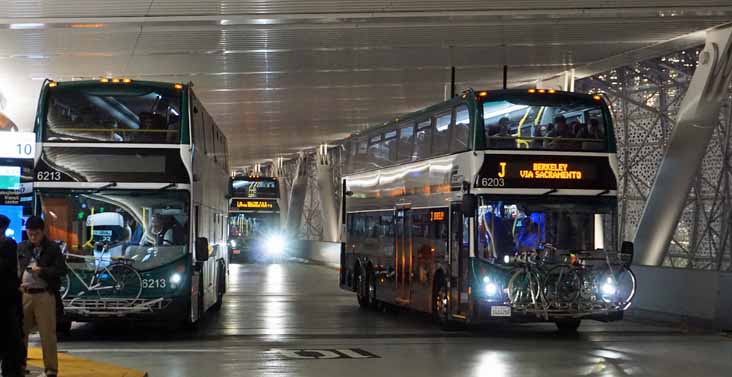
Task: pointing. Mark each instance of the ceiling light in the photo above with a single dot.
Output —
(27, 26)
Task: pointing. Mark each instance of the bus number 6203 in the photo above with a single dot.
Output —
(492, 182)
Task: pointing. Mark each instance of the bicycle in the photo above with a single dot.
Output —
(525, 287)
(117, 279)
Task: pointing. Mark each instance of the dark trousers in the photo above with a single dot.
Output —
(11, 344)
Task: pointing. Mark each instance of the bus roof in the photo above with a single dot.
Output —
(83, 83)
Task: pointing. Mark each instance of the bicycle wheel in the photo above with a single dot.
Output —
(65, 286)
(523, 288)
(119, 281)
(562, 285)
(617, 287)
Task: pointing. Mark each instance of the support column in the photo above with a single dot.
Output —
(278, 171)
(697, 118)
(328, 202)
(297, 195)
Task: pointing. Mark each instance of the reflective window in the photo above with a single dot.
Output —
(461, 130)
(151, 227)
(544, 122)
(423, 140)
(133, 114)
(441, 134)
(406, 142)
(506, 228)
(377, 153)
(390, 145)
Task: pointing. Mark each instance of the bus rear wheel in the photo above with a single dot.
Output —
(441, 304)
(362, 290)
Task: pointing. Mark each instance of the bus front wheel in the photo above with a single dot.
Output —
(441, 304)
(568, 326)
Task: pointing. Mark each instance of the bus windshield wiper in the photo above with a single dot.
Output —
(104, 187)
(549, 192)
(169, 185)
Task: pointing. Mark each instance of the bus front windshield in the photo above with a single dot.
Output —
(510, 227)
(250, 225)
(113, 113)
(149, 227)
(547, 121)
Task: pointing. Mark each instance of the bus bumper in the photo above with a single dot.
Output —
(491, 312)
(163, 308)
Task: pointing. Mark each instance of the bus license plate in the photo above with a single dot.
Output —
(500, 311)
(237, 252)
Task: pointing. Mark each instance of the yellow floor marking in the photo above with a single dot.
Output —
(72, 366)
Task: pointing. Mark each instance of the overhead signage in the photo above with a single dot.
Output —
(258, 204)
(551, 172)
(18, 145)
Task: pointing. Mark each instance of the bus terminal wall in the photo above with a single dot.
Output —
(699, 298)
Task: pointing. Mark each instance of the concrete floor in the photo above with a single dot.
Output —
(293, 320)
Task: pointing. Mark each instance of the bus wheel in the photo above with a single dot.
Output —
(63, 326)
(440, 305)
(568, 326)
(371, 288)
(220, 288)
(362, 288)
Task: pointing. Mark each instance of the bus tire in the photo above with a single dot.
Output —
(440, 304)
(63, 326)
(361, 287)
(220, 288)
(568, 326)
(371, 288)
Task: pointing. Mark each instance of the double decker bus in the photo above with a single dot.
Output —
(131, 179)
(254, 218)
(491, 206)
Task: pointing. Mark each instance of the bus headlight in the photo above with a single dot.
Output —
(232, 243)
(275, 244)
(491, 290)
(175, 279)
(608, 288)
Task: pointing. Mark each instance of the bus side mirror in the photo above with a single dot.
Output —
(626, 252)
(201, 249)
(469, 205)
(227, 196)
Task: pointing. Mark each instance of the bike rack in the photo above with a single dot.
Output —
(113, 307)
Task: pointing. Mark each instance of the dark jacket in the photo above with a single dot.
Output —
(51, 262)
(9, 279)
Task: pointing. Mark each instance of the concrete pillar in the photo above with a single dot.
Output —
(278, 171)
(697, 118)
(328, 202)
(297, 195)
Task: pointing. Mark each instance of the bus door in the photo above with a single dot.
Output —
(459, 251)
(403, 255)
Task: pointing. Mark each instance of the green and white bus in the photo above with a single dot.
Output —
(491, 206)
(131, 179)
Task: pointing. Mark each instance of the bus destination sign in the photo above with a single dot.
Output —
(256, 204)
(551, 172)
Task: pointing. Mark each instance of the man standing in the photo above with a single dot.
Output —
(11, 342)
(43, 266)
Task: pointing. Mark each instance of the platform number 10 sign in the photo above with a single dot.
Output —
(18, 145)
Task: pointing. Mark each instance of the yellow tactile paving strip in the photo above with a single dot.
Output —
(72, 366)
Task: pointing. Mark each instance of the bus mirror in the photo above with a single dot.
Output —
(227, 196)
(626, 252)
(469, 205)
(201, 249)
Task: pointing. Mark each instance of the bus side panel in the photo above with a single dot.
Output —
(210, 181)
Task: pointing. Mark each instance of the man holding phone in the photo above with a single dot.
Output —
(43, 266)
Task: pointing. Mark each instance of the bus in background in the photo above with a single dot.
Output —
(492, 206)
(131, 179)
(254, 219)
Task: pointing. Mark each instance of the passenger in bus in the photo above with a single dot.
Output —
(529, 240)
(151, 127)
(592, 131)
(500, 135)
(538, 141)
(166, 230)
(559, 137)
